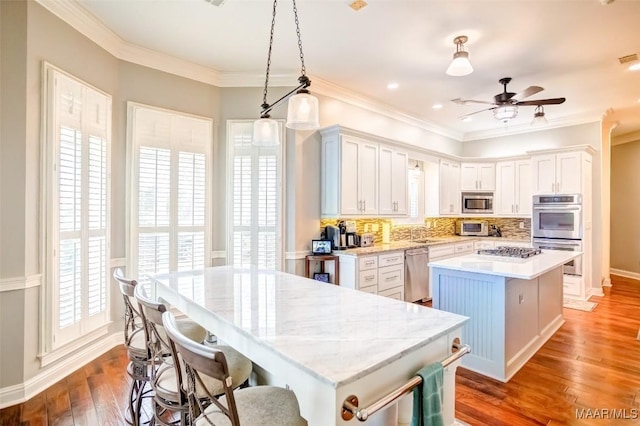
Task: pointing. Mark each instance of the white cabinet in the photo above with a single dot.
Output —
(477, 176)
(449, 191)
(381, 274)
(349, 176)
(393, 176)
(513, 188)
(557, 173)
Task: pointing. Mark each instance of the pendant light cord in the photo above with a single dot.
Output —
(303, 71)
(266, 79)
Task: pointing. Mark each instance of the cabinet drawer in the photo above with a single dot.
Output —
(390, 277)
(436, 252)
(394, 293)
(367, 278)
(571, 286)
(395, 258)
(369, 262)
(371, 289)
(464, 247)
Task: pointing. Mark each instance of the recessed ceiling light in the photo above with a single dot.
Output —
(466, 119)
(437, 106)
(392, 86)
(635, 67)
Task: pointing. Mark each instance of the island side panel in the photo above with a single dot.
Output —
(481, 297)
(551, 294)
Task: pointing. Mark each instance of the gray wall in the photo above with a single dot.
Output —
(625, 208)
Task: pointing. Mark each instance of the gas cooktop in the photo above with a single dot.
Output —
(508, 251)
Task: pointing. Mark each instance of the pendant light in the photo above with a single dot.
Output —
(460, 65)
(302, 113)
(538, 117)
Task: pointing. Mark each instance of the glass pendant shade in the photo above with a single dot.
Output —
(303, 113)
(538, 118)
(265, 132)
(505, 113)
(460, 65)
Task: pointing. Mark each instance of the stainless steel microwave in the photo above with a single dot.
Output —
(477, 202)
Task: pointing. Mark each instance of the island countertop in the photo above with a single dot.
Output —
(527, 269)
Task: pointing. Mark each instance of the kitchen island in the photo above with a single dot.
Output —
(325, 342)
(514, 305)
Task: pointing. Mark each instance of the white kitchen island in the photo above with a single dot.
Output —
(323, 341)
(514, 305)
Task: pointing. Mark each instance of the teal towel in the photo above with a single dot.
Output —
(427, 397)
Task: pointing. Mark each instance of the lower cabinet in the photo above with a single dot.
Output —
(381, 274)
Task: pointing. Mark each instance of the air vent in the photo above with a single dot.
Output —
(628, 58)
(358, 4)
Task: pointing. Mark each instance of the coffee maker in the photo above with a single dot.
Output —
(332, 233)
(351, 236)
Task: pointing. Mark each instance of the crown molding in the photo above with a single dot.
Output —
(626, 138)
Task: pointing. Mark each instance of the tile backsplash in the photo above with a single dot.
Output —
(433, 227)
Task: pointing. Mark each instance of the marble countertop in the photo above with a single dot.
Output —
(406, 244)
(527, 269)
(335, 333)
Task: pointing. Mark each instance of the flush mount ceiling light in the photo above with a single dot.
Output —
(538, 117)
(630, 61)
(460, 64)
(505, 113)
(302, 113)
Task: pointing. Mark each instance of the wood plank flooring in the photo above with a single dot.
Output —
(592, 363)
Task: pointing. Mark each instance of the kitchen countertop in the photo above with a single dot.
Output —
(510, 267)
(407, 244)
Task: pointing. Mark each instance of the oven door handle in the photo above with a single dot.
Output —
(557, 208)
(559, 243)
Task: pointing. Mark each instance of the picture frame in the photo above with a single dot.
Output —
(321, 276)
(321, 246)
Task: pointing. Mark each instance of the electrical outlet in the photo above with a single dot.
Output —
(366, 227)
(429, 224)
(375, 227)
(521, 225)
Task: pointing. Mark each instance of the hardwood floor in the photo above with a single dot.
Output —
(592, 363)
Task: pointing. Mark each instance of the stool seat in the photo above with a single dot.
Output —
(260, 405)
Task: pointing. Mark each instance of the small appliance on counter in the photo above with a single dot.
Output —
(473, 228)
(351, 237)
(366, 240)
(332, 233)
(494, 231)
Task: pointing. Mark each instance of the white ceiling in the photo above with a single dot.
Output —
(570, 47)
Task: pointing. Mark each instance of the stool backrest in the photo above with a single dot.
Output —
(132, 318)
(200, 359)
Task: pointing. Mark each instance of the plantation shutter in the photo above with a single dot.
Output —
(255, 199)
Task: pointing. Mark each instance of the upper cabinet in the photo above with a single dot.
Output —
(449, 190)
(361, 177)
(393, 176)
(477, 177)
(513, 188)
(558, 173)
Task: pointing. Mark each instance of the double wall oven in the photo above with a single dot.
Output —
(557, 225)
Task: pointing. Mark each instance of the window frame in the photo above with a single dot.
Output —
(408, 220)
(89, 328)
(132, 192)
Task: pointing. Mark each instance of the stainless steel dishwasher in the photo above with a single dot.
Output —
(416, 274)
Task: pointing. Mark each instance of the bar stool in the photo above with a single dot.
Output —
(140, 358)
(259, 405)
(171, 405)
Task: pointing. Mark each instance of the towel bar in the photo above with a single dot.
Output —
(350, 404)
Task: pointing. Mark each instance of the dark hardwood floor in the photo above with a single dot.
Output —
(592, 363)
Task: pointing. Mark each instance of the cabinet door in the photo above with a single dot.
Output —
(523, 200)
(543, 174)
(505, 187)
(454, 185)
(449, 187)
(568, 173)
(399, 178)
(350, 201)
(486, 177)
(386, 203)
(469, 177)
(368, 177)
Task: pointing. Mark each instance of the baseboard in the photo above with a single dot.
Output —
(625, 274)
(20, 393)
(594, 292)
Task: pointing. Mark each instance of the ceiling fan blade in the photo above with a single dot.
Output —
(531, 90)
(461, 101)
(553, 101)
(482, 110)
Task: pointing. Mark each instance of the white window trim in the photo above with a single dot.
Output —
(132, 191)
(280, 226)
(419, 220)
(46, 352)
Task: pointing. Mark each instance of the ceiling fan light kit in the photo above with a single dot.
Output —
(538, 117)
(505, 113)
(302, 112)
(460, 65)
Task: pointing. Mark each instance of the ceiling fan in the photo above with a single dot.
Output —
(505, 104)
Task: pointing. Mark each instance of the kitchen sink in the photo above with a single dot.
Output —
(424, 241)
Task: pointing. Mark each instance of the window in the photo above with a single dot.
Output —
(415, 189)
(77, 146)
(255, 199)
(170, 162)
